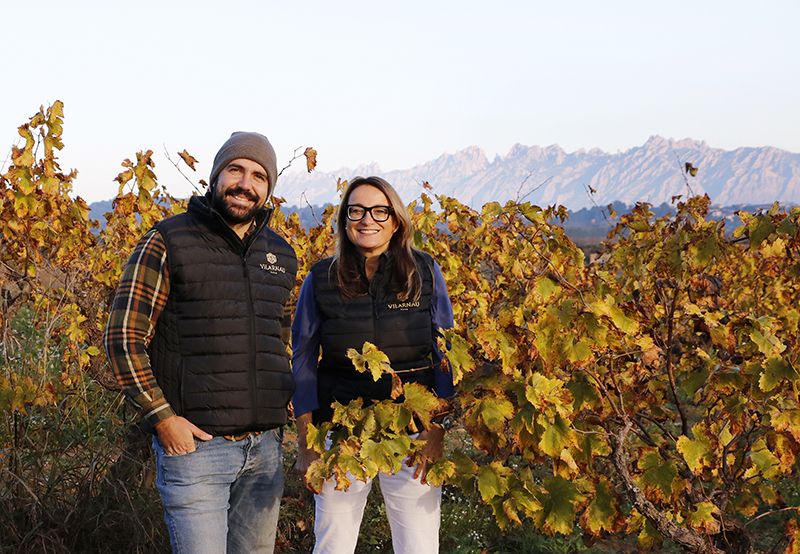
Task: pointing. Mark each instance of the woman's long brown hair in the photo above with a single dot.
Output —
(350, 275)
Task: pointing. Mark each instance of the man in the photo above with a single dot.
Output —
(194, 338)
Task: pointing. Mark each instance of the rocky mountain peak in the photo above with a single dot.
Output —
(653, 172)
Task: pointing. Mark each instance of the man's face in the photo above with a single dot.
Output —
(241, 191)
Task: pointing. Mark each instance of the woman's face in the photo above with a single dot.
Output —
(370, 237)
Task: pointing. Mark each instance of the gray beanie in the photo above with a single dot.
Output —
(250, 146)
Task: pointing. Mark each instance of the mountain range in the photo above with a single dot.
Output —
(654, 172)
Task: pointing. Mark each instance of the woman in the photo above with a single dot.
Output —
(377, 289)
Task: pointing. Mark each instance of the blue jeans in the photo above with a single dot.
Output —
(224, 497)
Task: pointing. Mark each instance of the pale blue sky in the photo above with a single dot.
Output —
(395, 83)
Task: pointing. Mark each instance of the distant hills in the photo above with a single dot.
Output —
(653, 172)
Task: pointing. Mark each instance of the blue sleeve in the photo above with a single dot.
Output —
(441, 318)
(305, 350)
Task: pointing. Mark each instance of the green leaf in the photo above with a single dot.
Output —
(582, 392)
(397, 448)
(559, 508)
(649, 539)
(775, 371)
(657, 476)
(493, 481)
(464, 464)
(760, 228)
(603, 511)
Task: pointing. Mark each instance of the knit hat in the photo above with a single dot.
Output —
(250, 146)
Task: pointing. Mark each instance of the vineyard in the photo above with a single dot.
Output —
(650, 397)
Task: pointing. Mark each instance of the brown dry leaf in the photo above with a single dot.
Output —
(397, 386)
(651, 357)
(311, 158)
(188, 158)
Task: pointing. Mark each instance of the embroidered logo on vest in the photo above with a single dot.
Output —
(270, 265)
(403, 305)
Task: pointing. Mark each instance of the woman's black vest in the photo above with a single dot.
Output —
(403, 330)
(217, 351)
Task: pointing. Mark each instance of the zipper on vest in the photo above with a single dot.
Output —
(252, 329)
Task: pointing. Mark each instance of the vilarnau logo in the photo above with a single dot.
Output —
(403, 305)
(270, 265)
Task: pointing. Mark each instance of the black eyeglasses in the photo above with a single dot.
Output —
(356, 212)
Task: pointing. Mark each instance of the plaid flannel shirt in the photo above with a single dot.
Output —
(142, 294)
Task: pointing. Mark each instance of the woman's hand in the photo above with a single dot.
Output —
(305, 455)
(431, 452)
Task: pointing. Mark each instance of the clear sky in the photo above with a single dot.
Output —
(396, 83)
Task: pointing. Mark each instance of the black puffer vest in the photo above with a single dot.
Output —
(217, 351)
(403, 330)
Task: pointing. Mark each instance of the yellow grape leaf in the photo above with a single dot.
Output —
(421, 402)
(316, 475)
(494, 411)
(546, 287)
(377, 453)
(703, 518)
(697, 453)
(458, 354)
(793, 533)
(370, 358)
(557, 436)
(764, 461)
(782, 420)
(386, 413)
(6, 394)
(623, 322)
(349, 415)
(439, 472)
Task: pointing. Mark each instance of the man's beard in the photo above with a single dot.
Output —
(231, 213)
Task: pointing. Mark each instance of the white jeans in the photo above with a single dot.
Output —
(413, 509)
